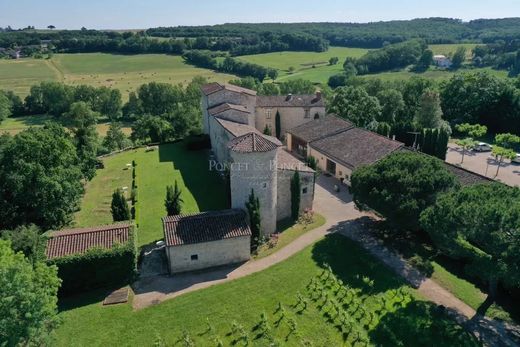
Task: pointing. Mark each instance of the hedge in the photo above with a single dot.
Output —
(98, 268)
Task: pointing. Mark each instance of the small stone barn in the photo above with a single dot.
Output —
(208, 239)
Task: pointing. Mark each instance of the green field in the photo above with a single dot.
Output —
(14, 125)
(202, 190)
(303, 63)
(87, 323)
(449, 49)
(125, 72)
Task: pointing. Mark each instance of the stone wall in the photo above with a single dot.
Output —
(222, 96)
(290, 117)
(256, 171)
(220, 138)
(341, 170)
(284, 198)
(209, 254)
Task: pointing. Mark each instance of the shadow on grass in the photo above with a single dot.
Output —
(207, 187)
(350, 263)
(95, 296)
(420, 324)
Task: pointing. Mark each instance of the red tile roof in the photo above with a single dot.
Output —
(225, 107)
(254, 142)
(77, 241)
(236, 129)
(355, 147)
(205, 227)
(214, 87)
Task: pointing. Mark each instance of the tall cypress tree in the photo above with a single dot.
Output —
(295, 196)
(119, 207)
(278, 124)
(442, 144)
(173, 202)
(253, 209)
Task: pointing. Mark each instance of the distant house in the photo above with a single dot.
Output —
(442, 61)
(205, 240)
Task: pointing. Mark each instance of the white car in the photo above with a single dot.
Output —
(517, 159)
(482, 147)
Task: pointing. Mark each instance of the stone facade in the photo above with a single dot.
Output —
(208, 254)
(224, 120)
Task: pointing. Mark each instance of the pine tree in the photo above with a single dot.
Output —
(173, 202)
(278, 124)
(295, 196)
(253, 209)
(119, 207)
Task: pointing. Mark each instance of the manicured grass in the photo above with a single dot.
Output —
(95, 205)
(287, 233)
(124, 72)
(202, 190)
(86, 322)
(15, 125)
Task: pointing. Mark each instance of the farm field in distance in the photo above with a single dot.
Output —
(124, 72)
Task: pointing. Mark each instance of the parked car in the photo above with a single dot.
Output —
(482, 147)
(517, 159)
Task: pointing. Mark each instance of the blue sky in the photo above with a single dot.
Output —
(136, 14)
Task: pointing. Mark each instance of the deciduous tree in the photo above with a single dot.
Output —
(355, 105)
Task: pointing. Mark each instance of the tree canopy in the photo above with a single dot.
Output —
(41, 179)
(355, 105)
(480, 225)
(28, 299)
(401, 186)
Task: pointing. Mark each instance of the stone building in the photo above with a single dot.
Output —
(208, 239)
(234, 118)
(338, 146)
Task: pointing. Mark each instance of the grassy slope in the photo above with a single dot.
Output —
(155, 170)
(125, 72)
(86, 322)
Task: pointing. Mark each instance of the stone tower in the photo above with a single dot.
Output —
(254, 167)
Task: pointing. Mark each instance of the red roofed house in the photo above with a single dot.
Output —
(208, 239)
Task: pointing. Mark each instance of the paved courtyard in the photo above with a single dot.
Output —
(485, 164)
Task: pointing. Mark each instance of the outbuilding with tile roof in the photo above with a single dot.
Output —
(204, 240)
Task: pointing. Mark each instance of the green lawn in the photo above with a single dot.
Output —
(86, 322)
(449, 49)
(15, 125)
(287, 233)
(124, 72)
(202, 190)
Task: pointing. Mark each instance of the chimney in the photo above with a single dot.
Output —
(318, 95)
(289, 97)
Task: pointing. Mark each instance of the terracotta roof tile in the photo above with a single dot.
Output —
(309, 100)
(355, 147)
(205, 227)
(236, 129)
(225, 107)
(78, 241)
(214, 87)
(287, 161)
(320, 128)
(254, 142)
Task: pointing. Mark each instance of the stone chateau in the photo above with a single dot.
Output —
(235, 119)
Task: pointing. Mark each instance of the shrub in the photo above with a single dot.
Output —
(423, 265)
(98, 267)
